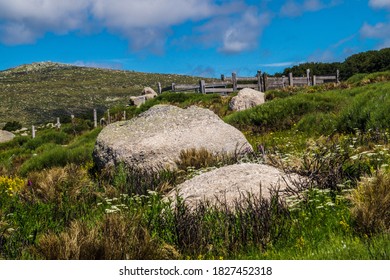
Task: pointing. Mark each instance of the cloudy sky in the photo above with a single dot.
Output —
(196, 37)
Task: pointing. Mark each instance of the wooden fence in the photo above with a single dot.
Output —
(261, 82)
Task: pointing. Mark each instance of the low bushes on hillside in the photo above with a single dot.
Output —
(12, 126)
(282, 114)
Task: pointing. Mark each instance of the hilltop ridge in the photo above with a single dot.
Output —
(37, 66)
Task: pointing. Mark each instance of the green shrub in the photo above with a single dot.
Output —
(79, 151)
(12, 126)
(281, 114)
(48, 136)
(78, 126)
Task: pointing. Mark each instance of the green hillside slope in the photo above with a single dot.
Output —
(40, 92)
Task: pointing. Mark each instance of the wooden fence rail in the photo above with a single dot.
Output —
(261, 82)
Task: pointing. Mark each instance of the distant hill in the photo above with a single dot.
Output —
(40, 92)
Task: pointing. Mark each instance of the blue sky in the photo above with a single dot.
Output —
(195, 37)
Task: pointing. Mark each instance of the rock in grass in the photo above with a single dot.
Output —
(147, 93)
(154, 140)
(233, 183)
(6, 136)
(247, 98)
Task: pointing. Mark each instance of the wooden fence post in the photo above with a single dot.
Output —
(159, 88)
(234, 80)
(33, 132)
(58, 124)
(314, 80)
(173, 87)
(94, 118)
(308, 76)
(290, 79)
(265, 82)
(202, 86)
(259, 80)
(108, 116)
(338, 76)
(124, 115)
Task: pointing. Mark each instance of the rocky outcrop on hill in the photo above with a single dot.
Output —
(230, 183)
(6, 136)
(247, 98)
(154, 139)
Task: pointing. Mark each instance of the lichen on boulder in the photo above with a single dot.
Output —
(153, 140)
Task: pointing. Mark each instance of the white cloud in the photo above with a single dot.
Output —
(293, 8)
(313, 5)
(279, 64)
(25, 21)
(99, 64)
(379, 31)
(379, 4)
(150, 13)
(145, 23)
(327, 55)
(243, 33)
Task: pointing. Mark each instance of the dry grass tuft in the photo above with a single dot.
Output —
(77, 243)
(53, 184)
(371, 201)
(201, 158)
(117, 237)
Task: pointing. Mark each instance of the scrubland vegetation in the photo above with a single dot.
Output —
(54, 203)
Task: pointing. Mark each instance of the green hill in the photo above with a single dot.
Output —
(40, 92)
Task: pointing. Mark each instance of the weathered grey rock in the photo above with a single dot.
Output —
(6, 136)
(137, 100)
(232, 183)
(154, 139)
(247, 98)
(149, 91)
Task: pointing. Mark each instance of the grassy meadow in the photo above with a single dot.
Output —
(55, 204)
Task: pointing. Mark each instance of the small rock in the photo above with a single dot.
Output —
(149, 91)
(247, 98)
(6, 136)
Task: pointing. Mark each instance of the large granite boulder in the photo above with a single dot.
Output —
(6, 136)
(247, 98)
(231, 183)
(153, 140)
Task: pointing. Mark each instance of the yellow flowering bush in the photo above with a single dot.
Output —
(10, 186)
